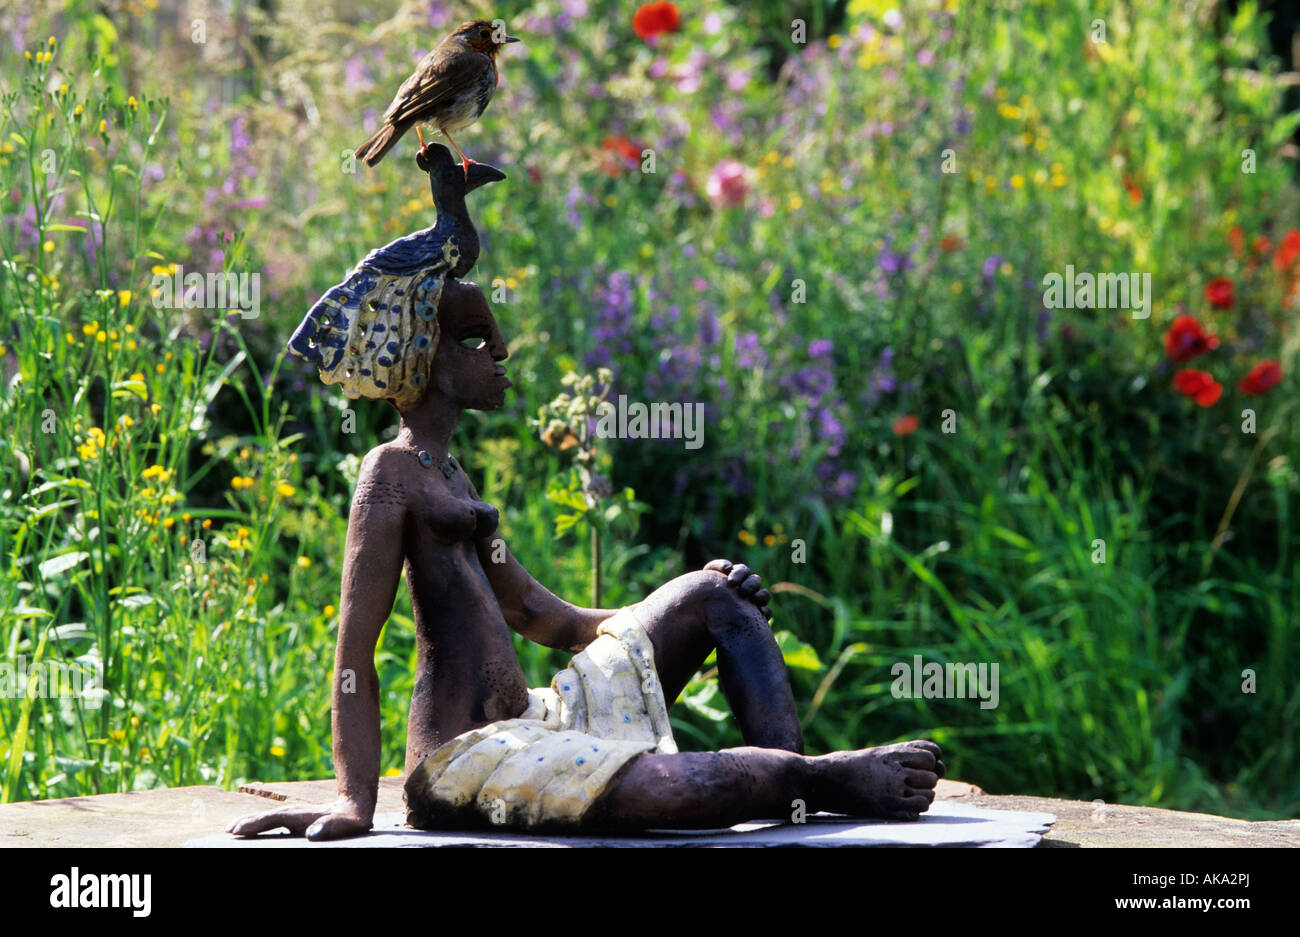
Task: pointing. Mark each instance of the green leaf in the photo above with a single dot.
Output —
(62, 563)
(797, 653)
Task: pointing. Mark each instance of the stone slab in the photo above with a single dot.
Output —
(170, 818)
(946, 823)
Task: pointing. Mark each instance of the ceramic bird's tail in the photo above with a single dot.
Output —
(373, 150)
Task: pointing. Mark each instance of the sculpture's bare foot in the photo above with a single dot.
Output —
(747, 584)
(893, 782)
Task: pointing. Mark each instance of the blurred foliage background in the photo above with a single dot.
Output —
(840, 253)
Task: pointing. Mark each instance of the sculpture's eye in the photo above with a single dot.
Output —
(473, 341)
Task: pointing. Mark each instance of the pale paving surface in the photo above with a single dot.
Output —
(176, 816)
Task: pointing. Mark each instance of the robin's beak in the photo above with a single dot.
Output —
(511, 39)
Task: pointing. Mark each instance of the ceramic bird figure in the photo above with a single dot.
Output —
(449, 89)
(348, 333)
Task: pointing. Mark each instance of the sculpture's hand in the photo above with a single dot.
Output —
(341, 819)
(747, 583)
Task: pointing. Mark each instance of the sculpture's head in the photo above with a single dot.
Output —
(466, 369)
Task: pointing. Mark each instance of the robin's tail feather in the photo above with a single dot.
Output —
(373, 150)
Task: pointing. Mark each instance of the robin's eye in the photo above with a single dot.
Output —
(484, 33)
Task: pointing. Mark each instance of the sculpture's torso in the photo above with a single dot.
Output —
(468, 672)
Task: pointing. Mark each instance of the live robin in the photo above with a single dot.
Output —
(449, 89)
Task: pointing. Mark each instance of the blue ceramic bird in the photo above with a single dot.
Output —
(349, 334)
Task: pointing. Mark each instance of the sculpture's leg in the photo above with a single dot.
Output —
(698, 612)
(719, 789)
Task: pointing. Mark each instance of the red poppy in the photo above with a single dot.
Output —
(1287, 251)
(1237, 239)
(655, 18)
(1186, 339)
(1260, 245)
(1262, 378)
(1134, 190)
(621, 155)
(905, 425)
(1199, 385)
(1221, 293)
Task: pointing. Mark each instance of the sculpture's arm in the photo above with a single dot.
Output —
(372, 569)
(532, 609)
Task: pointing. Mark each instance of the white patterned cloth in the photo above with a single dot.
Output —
(548, 766)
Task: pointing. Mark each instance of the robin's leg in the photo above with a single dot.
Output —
(465, 161)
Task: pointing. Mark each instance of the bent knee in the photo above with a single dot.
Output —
(698, 591)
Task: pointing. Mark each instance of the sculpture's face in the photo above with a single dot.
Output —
(465, 368)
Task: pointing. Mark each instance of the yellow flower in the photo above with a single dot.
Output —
(285, 490)
(329, 611)
(611, 200)
(1017, 181)
(393, 773)
(159, 368)
(746, 538)
(957, 287)
(1040, 176)
(77, 112)
(169, 523)
(277, 751)
(101, 336)
(769, 539)
(132, 103)
(48, 247)
(158, 472)
(1058, 180)
(1006, 269)
(796, 201)
(123, 296)
(90, 328)
(835, 41)
(103, 126)
(116, 735)
(304, 562)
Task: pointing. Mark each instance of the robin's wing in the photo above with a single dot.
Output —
(437, 80)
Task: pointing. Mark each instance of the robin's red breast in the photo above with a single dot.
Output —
(449, 89)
